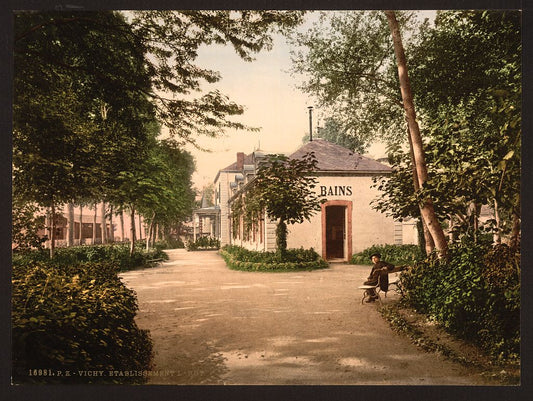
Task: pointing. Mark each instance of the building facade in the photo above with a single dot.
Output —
(346, 223)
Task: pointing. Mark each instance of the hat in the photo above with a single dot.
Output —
(375, 254)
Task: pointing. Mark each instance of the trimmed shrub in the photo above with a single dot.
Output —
(118, 254)
(239, 258)
(171, 243)
(475, 295)
(395, 254)
(75, 318)
(203, 243)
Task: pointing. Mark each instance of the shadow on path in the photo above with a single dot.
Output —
(213, 325)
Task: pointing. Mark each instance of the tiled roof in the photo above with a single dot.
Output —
(248, 159)
(332, 157)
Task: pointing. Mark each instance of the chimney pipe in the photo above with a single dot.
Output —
(310, 123)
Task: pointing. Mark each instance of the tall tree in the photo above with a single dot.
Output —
(167, 195)
(427, 210)
(347, 63)
(472, 109)
(471, 112)
(87, 84)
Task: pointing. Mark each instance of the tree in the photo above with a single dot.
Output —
(26, 224)
(62, 141)
(167, 195)
(415, 139)
(333, 131)
(283, 188)
(88, 85)
(173, 38)
(350, 68)
(472, 111)
(347, 61)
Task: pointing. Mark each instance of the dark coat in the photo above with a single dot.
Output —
(383, 274)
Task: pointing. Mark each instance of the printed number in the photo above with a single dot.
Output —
(40, 372)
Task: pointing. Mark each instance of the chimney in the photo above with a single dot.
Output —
(240, 161)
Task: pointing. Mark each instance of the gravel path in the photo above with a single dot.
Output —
(212, 325)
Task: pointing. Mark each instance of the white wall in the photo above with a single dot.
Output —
(369, 227)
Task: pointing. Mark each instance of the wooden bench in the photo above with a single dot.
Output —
(154, 262)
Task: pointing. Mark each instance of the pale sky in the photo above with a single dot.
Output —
(267, 91)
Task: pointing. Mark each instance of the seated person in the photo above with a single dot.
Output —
(380, 269)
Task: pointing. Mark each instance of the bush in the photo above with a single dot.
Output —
(203, 243)
(395, 254)
(75, 318)
(476, 295)
(118, 254)
(239, 258)
(171, 243)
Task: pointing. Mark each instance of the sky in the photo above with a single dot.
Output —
(272, 103)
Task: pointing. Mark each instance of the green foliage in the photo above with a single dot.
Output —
(395, 254)
(170, 243)
(466, 80)
(476, 295)
(348, 64)
(77, 120)
(335, 132)
(75, 318)
(117, 254)
(203, 243)
(162, 189)
(88, 104)
(284, 188)
(239, 258)
(26, 224)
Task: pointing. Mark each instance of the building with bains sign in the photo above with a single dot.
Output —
(346, 223)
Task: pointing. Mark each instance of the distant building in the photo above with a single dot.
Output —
(83, 222)
(346, 223)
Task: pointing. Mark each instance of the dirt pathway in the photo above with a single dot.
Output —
(212, 325)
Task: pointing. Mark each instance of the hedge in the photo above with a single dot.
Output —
(75, 318)
(395, 254)
(239, 258)
(475, 295)
(203, 243)
(118, 254)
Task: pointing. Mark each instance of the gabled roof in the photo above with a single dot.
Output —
(332, 157)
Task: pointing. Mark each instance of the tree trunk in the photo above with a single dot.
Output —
(281, 239)
(475, 220)
(514, 241)
(121, 224)
(427, 209)
(429, 244)
(132, 243)
(497, 237)
(140, 228)
(111, 228)
(81, 226)
(52, 230)
(94, 222)
(103, 223)
(150, 231)
(70, 225)
(451, 221)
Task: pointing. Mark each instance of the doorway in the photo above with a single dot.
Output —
(335, 231)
